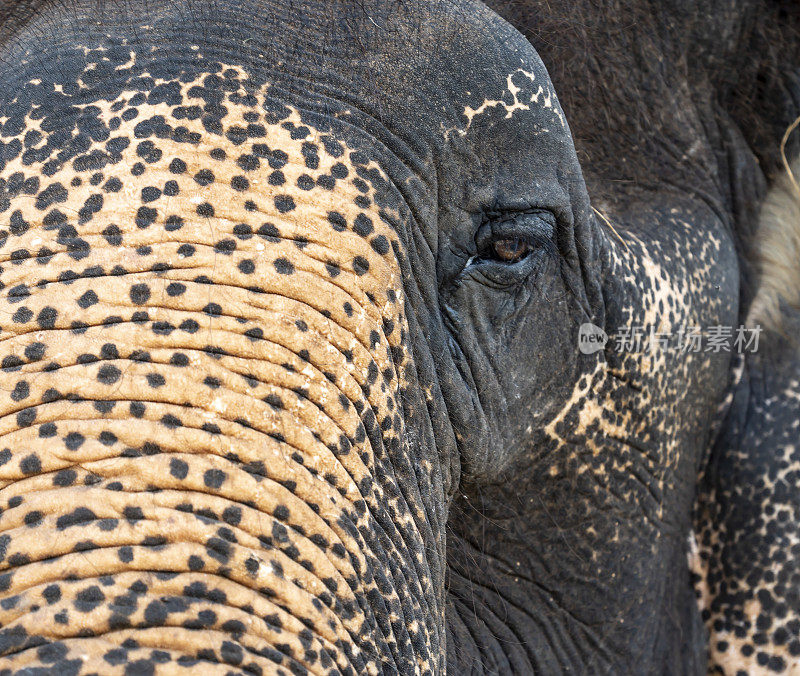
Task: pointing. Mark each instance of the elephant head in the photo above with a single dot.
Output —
(291, 298)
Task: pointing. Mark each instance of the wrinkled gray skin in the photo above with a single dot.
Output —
(289, 304)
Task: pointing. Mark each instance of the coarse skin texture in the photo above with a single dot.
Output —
(271, 403)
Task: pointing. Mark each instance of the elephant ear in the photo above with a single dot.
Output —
(748, 519)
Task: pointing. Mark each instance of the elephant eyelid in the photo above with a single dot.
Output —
(535, 229)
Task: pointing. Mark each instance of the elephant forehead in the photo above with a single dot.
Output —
(213, 165)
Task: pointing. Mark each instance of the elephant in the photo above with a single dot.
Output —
(292, 296)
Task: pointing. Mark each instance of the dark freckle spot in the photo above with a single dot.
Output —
(310, 155)
(360, 265)
(26, 417)
(225, 247)
(212, 382)
(250, 205)
(171, 188)
(284, 203)
(18, 293)
(140, 294)
(53, 193)
(108, 374)
(283, 266)
(107, 438)
(88, 599)
(11, 363)
(21, 391)
(269, 232)
(333, 268)
(177, 166)
(277, 178)
(204, 177)
(305, 182)
(179, 359)
(113, 235)
(247, 267)
(363, 225)
(185, 250)
(175, 289)
(326, 182)
(214, 478)
(380, 245)
(22, 316)
(240, 183)
(47, 318)
(33, 519)
(150, 194)
(171, 422)
(109, 351)
(195, 563)
(44, 255)
(213, 309)
(145, 217)
(205, 210)
(218, 154)
(189, 326)
(18, 225)
(252, 565)
(155, 380)
(173, 223)
(125, 554)
(148, 152)
(337, 221)
(274, 401)
(50, 395)
(113, 184)
(137, 409)
(74, 440)
(232, 515)
(178, 468)
(248, 162)
(30, 464)
(48, 430)
(137, 169)
(52, 594)
(104, 406)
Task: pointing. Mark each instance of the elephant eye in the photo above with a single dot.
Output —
(505, 240)
(511, 249)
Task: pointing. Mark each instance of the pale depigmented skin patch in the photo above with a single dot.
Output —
(523, 96)
(237, 294)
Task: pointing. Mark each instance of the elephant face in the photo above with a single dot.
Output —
(291, 299)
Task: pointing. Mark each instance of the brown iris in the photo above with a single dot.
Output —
(511, 250)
